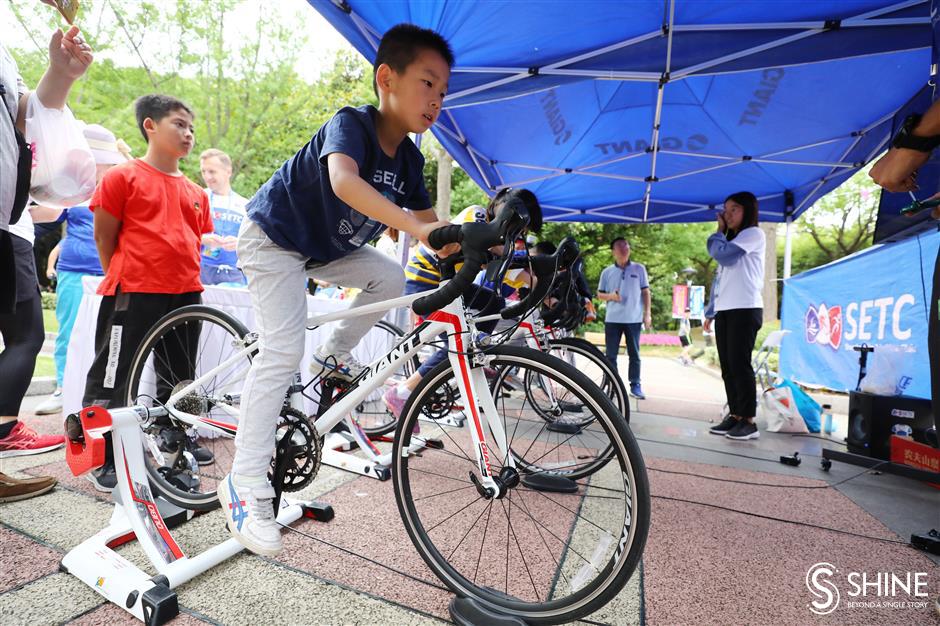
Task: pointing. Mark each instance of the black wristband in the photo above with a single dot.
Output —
(906, 138)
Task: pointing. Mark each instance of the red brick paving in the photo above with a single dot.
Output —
(23, 560)
(707, 566)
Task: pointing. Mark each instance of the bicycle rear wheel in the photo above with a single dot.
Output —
(586, 358)
(539, 552)
(185, 344)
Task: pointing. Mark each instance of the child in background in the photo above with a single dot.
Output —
(149, 221)
(685, 337)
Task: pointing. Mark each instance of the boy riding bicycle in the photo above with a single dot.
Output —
(313, 219)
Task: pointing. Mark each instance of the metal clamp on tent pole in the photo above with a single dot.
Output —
(832, 25)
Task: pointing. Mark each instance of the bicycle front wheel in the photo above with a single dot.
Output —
(550, 548)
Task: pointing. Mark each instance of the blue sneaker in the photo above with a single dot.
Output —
(249, 514)
(637, 393)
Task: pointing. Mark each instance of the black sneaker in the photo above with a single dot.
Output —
(104, 478)
(744, 430)
(725, 426)
(203, 456)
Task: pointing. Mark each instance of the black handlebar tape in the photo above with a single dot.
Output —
(444, 235)
(544, 268)
(473, 261)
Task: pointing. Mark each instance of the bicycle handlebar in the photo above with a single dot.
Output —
(545, 268)
(475, 239)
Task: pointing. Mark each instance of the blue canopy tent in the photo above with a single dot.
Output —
(655, 110)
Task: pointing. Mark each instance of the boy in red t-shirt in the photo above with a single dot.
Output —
(149, 222)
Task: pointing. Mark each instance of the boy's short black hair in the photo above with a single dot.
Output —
(616, 239)
(528, 199)
(400, 45)
(156, 107)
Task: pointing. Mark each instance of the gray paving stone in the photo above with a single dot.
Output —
(13, 465)
(61, 518)
(250, 590)
(50, 600)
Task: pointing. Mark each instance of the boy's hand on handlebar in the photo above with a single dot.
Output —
(425, 231)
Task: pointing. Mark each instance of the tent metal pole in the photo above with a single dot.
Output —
(470, 150)
(703, 170)
(854, 22)
(809, 163)
(658, 115)
(788, 247)
(555, 65)
(789, 39)
(806, 147)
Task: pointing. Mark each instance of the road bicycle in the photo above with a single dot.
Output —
(545, 544)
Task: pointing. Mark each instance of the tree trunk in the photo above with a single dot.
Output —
(770, 273)
(445, 166)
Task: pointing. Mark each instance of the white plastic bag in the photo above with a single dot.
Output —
(889, 371)
(63, 165)
(778, 408)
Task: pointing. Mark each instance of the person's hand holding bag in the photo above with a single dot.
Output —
(63, 172)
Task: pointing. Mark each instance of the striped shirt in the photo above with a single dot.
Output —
(423, 266)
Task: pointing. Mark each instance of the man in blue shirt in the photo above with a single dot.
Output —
(626, 289)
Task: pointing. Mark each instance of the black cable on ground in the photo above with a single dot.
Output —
(811, 436)
(786, 521)
(744, 482)
(395, 570)
(743, 456)
(365, 558)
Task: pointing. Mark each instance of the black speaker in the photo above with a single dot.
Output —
(873, 419)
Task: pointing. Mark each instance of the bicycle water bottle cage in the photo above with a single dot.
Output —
(84, 439)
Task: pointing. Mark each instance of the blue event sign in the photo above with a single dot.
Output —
(880, 296)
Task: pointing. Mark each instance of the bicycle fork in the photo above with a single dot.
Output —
(480, 407)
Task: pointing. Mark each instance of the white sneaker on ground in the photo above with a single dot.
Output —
(52, 404)
(249, 514)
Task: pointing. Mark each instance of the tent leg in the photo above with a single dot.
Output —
(788, 248)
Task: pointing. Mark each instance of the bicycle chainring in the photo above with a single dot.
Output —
(298, 448)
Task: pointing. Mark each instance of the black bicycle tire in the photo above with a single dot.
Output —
(601, 360)
(632, 545)
(207, 500)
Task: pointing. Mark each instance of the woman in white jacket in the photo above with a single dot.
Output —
(737, 307)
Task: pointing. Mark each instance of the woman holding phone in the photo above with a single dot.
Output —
(737, 307)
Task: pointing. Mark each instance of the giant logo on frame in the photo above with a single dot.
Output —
(824, 325)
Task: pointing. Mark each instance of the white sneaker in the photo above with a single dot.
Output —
(52, 404)
(344, 366)
(249, 515)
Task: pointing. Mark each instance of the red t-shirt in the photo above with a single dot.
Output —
(163, 219)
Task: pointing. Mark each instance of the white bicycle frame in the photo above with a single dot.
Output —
(467, 369)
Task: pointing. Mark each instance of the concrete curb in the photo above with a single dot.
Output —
(41, 385)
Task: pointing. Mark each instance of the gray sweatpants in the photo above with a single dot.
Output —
(276, 282)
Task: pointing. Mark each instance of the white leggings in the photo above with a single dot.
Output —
(276, 282)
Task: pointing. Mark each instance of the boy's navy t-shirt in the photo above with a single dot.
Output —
(297, 208)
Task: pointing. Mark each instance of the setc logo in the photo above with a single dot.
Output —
(824, 326)
(823, 589)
